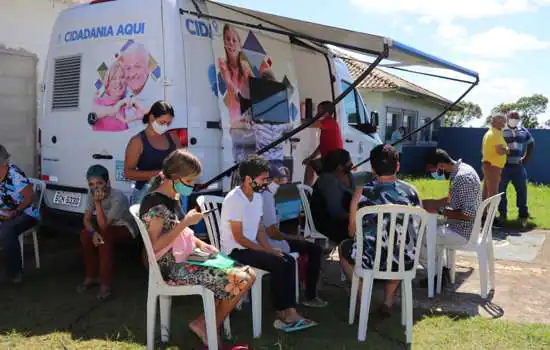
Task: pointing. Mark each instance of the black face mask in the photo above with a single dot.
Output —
(257, 187)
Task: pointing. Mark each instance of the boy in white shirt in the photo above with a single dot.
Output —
(242, 239)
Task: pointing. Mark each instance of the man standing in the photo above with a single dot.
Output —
(330, 139)
(521, 145)
(494, 150)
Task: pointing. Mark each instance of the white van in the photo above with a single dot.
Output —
(238, 80)
(96, 60)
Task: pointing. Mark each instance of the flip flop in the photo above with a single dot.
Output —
(81, 288)
(293, 327)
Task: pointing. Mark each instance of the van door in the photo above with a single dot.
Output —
(105, 69)
(352, 114)
(204, 127)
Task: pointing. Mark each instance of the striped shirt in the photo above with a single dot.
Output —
(465, 195)
(517, 140)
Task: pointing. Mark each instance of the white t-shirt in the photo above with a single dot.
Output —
(237, 207)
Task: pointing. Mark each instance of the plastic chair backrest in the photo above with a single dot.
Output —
(212, 219)
(38, 188)
(480, 233)
(305, 192)
(154, 270)
(394, 212)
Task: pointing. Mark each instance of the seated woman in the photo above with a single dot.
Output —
(17, 213)
(107, 221)
(173, 241)
(386, 189)
(331, 196)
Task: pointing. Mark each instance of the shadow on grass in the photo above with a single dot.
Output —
(47, 302)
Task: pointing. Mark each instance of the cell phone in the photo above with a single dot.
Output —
(208, 211)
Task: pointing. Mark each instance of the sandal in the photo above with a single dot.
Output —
(84, 287)
(295, 326)
(103, 295)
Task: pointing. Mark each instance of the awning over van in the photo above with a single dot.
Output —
(369, 44)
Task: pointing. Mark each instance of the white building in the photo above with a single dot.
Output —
(399, 103)
(25, 28)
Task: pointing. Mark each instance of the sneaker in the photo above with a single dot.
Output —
(523, 222)
(315, 302)
(500, 221)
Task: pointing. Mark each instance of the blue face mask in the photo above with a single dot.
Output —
(183, 189)
(437, 176)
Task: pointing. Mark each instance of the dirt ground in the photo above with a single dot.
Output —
(521, 288)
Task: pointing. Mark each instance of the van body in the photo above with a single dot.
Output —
(109, 61)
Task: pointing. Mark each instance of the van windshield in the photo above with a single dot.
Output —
(354, 108)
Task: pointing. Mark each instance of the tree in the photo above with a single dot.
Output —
(528, 107)
(469, 111)
(547, 123)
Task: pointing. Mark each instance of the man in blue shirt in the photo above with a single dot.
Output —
(521, 145)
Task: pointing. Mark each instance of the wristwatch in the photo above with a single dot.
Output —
(441, 211)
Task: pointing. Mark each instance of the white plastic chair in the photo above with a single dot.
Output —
(159, 289)
(368, 276)
(212, 221)
(309, 231)
(39, 188)
(480, 242)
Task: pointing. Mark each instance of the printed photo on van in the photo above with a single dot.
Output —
(256, 95)
(122, 89)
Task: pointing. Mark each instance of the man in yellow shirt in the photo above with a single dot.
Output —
(494, 151)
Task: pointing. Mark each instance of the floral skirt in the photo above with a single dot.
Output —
(225, 283)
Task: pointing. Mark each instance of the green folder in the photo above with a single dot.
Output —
(220, 262)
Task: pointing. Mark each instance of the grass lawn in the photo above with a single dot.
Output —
(47, 313)
(538, 200)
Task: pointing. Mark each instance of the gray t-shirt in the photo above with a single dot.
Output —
(271, 218)
(117, 210)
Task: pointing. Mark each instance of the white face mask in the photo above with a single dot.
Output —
(159, 128)
(273, 187)
(513, 123)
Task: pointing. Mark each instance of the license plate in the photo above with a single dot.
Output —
(67, 199)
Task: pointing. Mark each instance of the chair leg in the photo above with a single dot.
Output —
(439, 268)
(409, 310)
(36, 250)
(365, 305)
(483, 271)
(353, 298)
(210, 319)
(257, 309)
(491, 262)
(297, 272)
(151, 319)
(404, 301)
(165, 316)
(21, 247)
(451, 260)
(227, 327)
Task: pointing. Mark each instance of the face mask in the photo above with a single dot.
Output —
(437, 176)
(257, 187)
(273, 187)
(159, 128)
(513, 123)
(347, 168)
(183, 189)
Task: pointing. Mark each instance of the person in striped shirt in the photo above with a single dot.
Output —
(521, 145)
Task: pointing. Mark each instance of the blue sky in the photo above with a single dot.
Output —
(506, 41)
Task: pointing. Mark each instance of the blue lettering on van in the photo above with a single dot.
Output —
(198, 28)
(99, 32)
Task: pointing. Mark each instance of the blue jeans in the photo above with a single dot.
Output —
(9, 236)
(518, 176)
